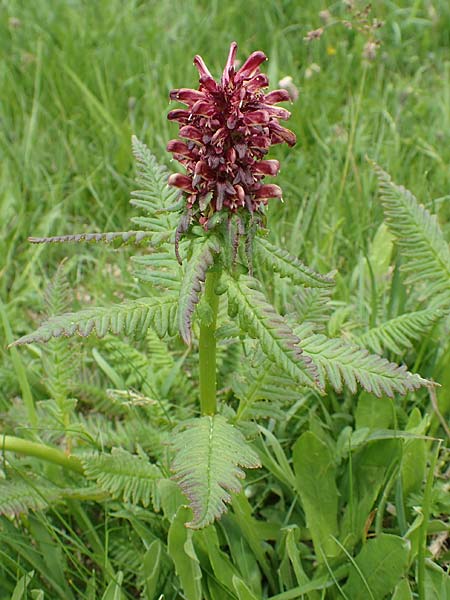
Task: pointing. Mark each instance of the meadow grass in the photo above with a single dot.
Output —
(79, 78)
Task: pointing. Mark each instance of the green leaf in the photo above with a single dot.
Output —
(242, 590)
(377, 568)
(171, 498)
(116, 238)
(286, 265)
(414, 458)
(340, 363)
(223, 569)
(315, 475)
(241, 552)
(181, 551)
(312, 305)
(18, 496)
(20, 591)
(159, 267)
(437, 582)
(278, 342)
(151, 568)
(126, 476)
(155, 196)
(123, 318)
(367, 472)
(399, 333)
(373, 413)
(114, 589)
(402, 591)
(418, 236)
(202, 258)
(208, 454)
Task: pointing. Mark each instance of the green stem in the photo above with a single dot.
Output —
(14, 444)
(426, 509)
(207, 347)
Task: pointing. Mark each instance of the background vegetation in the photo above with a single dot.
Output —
(77, 79)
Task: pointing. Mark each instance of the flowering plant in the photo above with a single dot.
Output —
(210, 292)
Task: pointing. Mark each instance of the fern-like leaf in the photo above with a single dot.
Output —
(398, 333)
(59, 359)
(127, 477)
(18, 496)
(340, 363)
(155, 196)
(418, 236)
(208, 454)
(286, 265)
(120, 318)
(202, 258)
(312, 305)
(117, 238)
(160, 268)
(262, 387)
(278, 342)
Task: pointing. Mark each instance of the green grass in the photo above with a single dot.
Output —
(78, 78)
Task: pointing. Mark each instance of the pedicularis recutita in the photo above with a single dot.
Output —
(205, 247)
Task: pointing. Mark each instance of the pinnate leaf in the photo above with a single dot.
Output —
(418, 236)
(125, 476)
(398, 333)
(342, 363)
(278, 342)
(120, 318)
(116, 238)
(202, 258)
(286, 265)
(208, 455)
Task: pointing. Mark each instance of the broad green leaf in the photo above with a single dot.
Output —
(171, 497)
(181, 551)
(315, 474)
(414, 459)
(20, 591)
(377, 568)
(402, 591)
(373, 413)
(437, 582)
(52, 553)
(151, 567)
(242, 590)
(223, 569)
(242, 556)
(217, 591)
(290, 571)
(362, 484)
(114, 589)
(251, 530)
(208, 455)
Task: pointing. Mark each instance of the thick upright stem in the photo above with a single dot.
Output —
(207, 347)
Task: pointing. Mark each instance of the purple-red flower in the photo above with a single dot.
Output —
(227, 130)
